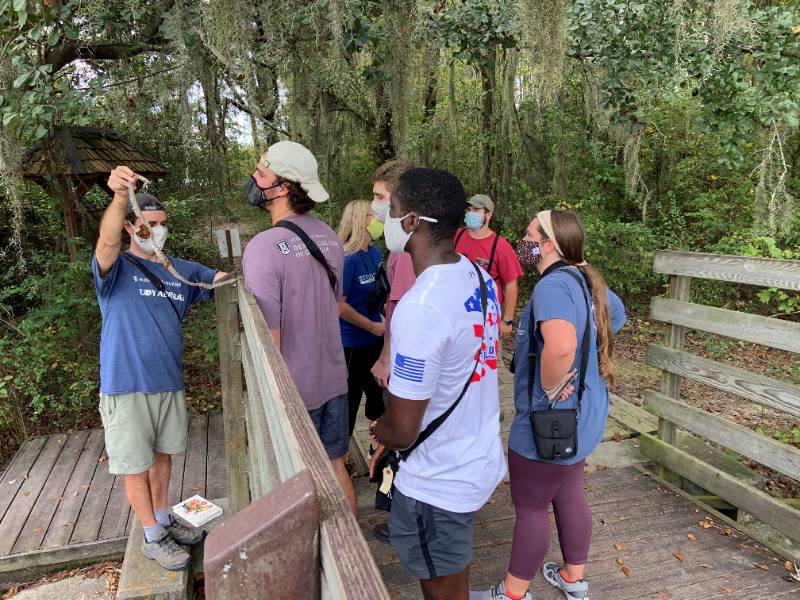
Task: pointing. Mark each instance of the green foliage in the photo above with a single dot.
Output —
(48, 357)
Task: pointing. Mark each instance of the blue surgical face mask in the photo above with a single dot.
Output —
(473, 220)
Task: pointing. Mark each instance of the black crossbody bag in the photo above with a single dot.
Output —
(555, 430)
(392, 458)
(154, 281)
(312, 248)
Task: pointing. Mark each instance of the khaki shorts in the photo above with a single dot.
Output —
(138, 425)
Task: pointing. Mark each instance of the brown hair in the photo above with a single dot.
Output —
(390, 172)
(299, 200)
(570, 235)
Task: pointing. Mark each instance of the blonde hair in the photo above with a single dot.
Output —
(570, 237)
(353, 226)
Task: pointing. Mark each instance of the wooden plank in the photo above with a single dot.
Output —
(674, 337)
(631, 416)
(20, 509)
(33, 565)
(115, 519)
(767, 272)
(216, 466)
(87, 526)
(284, 442)
(357, 573)
(233, 409)
(69, 507)
(32, 534)
(757, 532)
(264, 474)
(15, 475)
(759, 504)
(194, 475)
(758, 388)
(771, 453)
(767, 331)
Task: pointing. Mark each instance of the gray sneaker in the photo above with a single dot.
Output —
(572, 591)
(496, 592)
(167, 553)
(184, 534)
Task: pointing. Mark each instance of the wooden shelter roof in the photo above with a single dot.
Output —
(89, 152)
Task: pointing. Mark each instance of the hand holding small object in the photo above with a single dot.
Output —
(563, 389)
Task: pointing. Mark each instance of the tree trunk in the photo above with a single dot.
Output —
(488, 77)
(70, 222)
(451, 90)
(507, 122)
(430, 102)
(384, 143)
(216, 140)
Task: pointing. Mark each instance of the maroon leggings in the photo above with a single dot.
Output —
(536, 484)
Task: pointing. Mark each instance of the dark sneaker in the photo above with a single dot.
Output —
(572, 591)
(166, 553)
(381, 531)
(496, 592)
(184, 534)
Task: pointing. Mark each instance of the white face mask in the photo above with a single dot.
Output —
(157, 241)
(396, 238)
(380, 210)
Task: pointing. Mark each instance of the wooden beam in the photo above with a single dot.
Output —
(771, 453)
(759, 504)
(767, 272)
(767, 331)
(674, 337)
(233, 409)
(350, 568)
(758, 388)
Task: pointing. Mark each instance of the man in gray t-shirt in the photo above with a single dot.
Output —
(298, 295)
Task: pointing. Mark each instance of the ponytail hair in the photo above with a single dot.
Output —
(570, 238)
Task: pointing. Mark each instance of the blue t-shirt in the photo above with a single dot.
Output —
(141, 342)
(357, 283)
(559, 296)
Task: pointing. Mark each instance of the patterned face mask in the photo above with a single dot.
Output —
(528, 253)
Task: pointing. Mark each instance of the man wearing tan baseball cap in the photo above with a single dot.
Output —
(294, 270)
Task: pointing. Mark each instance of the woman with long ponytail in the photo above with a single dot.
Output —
(569, 297)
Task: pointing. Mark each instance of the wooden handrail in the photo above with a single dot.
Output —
(282, 442)
(674, 412)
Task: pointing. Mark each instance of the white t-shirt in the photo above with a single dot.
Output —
(436, 329)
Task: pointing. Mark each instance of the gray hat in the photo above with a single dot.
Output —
(146, 202)
(481, 201)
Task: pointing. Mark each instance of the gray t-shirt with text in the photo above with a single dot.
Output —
(295, 296)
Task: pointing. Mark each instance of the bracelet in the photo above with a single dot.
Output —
(508, 321)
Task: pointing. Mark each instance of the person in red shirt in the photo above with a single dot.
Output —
(498, 258)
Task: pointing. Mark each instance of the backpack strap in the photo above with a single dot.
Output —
(312, 248)
(437, 422)
(154, 281)
(491, 254)
(459, 236)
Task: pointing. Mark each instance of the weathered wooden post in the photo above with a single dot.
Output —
(230, 365)
(269, 549)
(670, 382)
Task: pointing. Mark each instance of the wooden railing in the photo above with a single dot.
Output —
(680, 315)
(269, 440)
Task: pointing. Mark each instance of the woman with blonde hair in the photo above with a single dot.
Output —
(564, 365)
(359, 315)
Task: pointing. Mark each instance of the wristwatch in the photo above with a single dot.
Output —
(508, 322)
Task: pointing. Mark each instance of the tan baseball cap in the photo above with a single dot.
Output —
(481, 201)
(295, 162)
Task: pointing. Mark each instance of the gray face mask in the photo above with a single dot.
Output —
(380, 210)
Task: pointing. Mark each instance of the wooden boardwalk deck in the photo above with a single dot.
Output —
(59, 504)
(648, 522)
